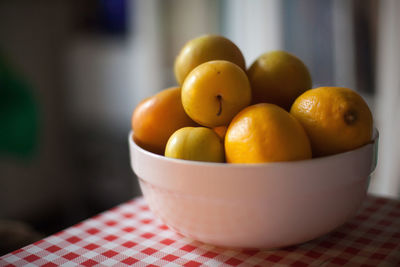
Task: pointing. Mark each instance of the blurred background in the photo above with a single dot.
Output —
(71, 73)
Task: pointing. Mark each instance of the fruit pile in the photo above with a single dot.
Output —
(223, 112)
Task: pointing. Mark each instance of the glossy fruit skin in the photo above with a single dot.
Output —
(157, 117)
(195, 143)
(278, 77)
(206, 48)
(336, 119)
(214, 92)
(265, 133)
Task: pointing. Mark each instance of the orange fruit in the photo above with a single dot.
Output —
(278, 77)
(156, 118)
(214, 92)
(206, 48)
(265, 133)
(336, 119)
(221, 131)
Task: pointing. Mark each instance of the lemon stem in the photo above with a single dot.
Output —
(219, 98)
(350, 117)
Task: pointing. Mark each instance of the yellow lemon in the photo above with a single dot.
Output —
(336, 119)
(195, 143)
(214, 92)
(278, 77)
(206, 48)
(265, 133)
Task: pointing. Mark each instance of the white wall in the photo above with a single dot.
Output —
(109, 75)
(387, 114)
(254, 26)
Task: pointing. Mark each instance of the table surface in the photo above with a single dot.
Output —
(129, 234)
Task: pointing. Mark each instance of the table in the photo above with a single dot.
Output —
(129, 234)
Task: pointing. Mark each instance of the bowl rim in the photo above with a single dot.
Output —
(373, 142)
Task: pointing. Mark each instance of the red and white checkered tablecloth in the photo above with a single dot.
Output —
(130, 235)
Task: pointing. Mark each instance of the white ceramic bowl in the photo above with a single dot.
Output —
(267, 205)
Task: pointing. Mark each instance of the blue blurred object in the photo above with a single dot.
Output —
(113, 17)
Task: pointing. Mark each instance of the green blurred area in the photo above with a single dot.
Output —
(19, 122)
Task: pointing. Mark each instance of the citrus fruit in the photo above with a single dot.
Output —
(195, 143)
(278, 77)
(221, 131)
(336, 119)
(214, 92)
(206, 48)
(157, 117)
(265, 133)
